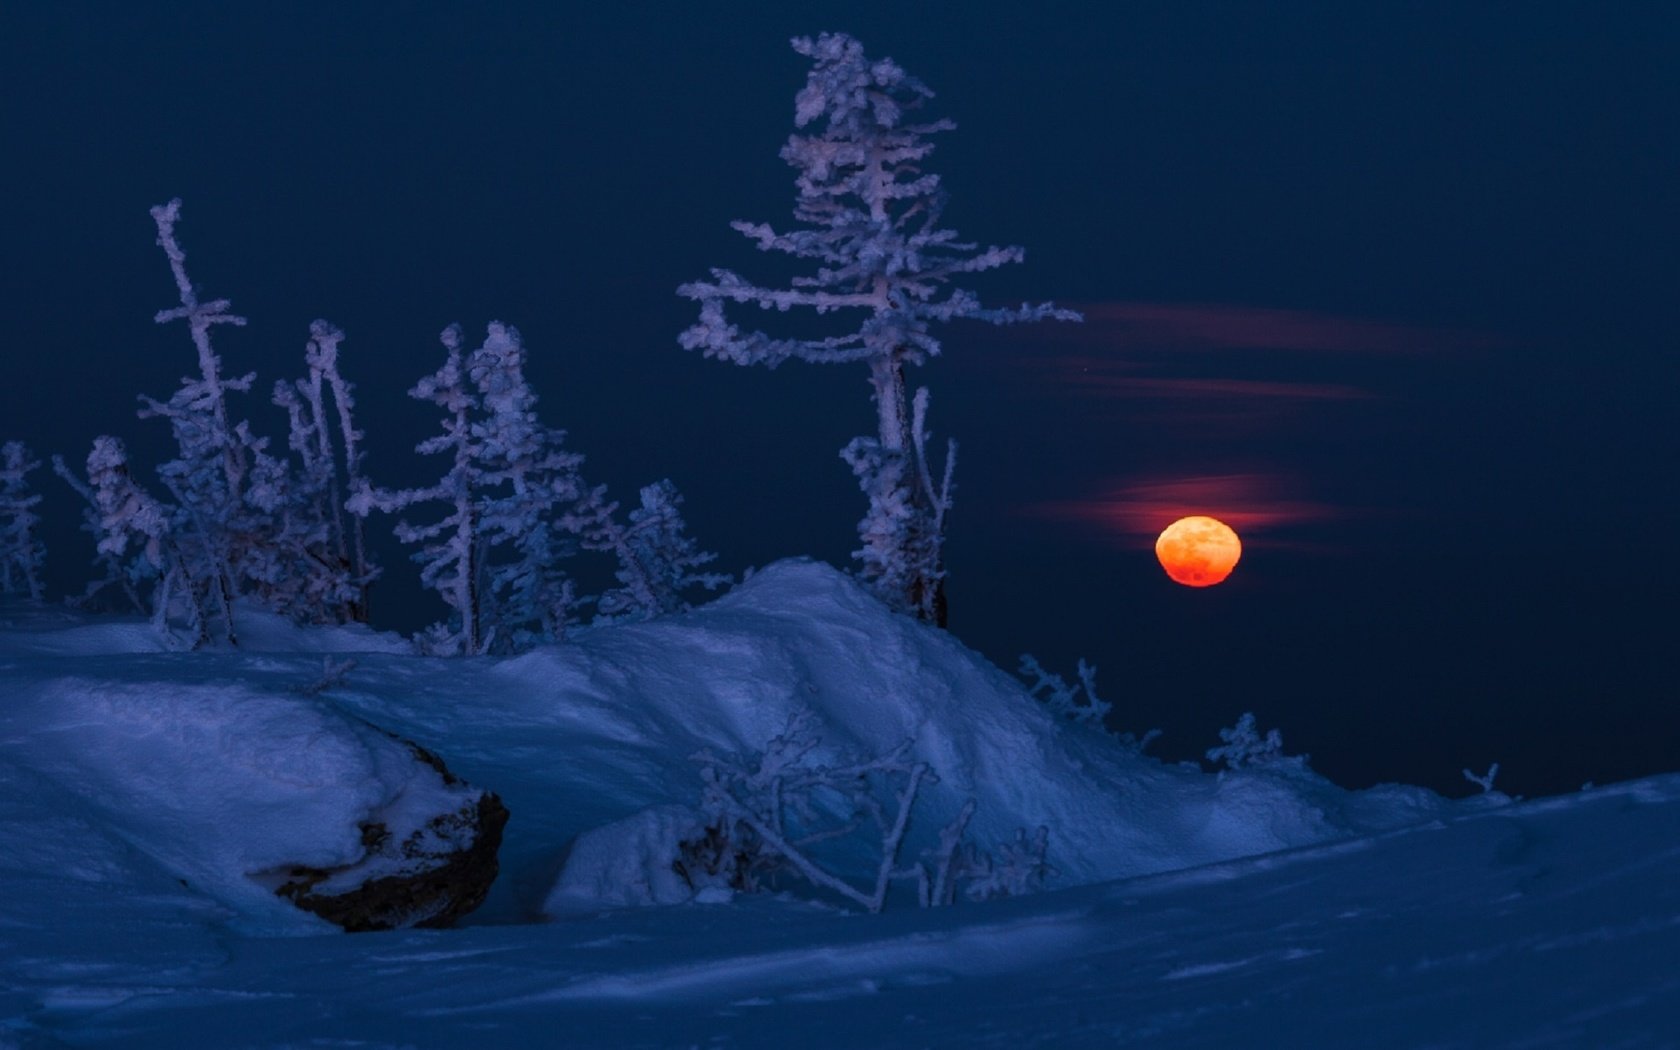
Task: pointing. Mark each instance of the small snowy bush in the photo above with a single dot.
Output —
(1484, 781)
(1076, 703)
(1244, 747)
(771, 813)
(113, 573)
(1019, 867)
(138, 542)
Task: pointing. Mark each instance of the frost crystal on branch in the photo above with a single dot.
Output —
(870, 228)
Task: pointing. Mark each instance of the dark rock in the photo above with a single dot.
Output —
(432, 876)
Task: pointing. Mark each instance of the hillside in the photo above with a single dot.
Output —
(141, 791)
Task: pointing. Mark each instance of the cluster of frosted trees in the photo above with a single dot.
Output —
(514, 506)
(237, 518)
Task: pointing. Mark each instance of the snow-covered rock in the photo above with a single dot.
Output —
(625, 864)
(438, 871)
(239, 793)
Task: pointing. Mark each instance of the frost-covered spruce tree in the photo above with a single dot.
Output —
(22, 554)
(516, 503)
(209, 474)
(869, 218)
(331, 571)
(258, 526)
(451, 549)
(531, 484)
(198, 410)
(658, 563)
(136, 531)
(113, 574)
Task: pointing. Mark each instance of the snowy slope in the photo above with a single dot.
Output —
(223, 787)
(1552, 923)
(1391, 918)
(580, 735)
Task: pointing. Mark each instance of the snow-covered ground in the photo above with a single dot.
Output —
(141, 791)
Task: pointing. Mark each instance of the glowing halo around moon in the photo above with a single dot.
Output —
(1198, 551)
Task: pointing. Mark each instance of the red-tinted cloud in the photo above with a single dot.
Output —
(1097, 376)
(1213, 388)
(1216, 326)
(1251, 503)
(1228, 359)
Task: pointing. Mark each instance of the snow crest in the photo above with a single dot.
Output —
(800, 636)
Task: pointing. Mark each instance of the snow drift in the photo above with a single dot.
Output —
(254, 798)
(800, 636)
(212, 767)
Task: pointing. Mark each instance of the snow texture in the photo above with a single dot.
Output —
(225, 787)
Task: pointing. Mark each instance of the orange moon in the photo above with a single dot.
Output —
(1198, 551)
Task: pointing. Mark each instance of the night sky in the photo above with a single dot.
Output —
(1389, 287)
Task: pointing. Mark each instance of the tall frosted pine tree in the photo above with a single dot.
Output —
(868, 218)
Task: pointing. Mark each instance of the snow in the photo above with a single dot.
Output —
(221, 785)
(140, 790)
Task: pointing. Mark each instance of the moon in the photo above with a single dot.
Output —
(1198, 551)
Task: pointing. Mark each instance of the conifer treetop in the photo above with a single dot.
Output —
(870, 218)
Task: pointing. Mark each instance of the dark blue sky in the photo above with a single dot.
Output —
(1388, 285)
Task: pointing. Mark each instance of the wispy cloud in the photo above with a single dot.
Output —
(1228, 410)
(1113, 378)
(1214, 361)
(1252, 503)
(1122, 326)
